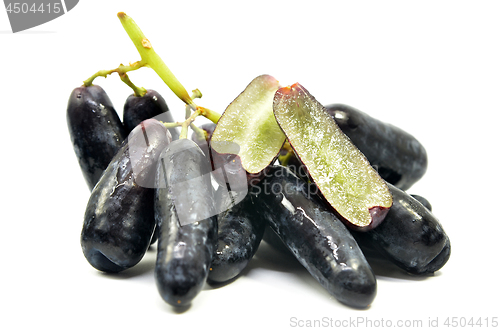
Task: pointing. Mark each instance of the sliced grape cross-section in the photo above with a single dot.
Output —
(342, 173)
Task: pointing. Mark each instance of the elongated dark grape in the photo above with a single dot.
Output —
(410, 236)
(119, 219)
(95, 130)
(185, 216)
(316, 237)
(240, 230)
(399, 158)
(152, 104)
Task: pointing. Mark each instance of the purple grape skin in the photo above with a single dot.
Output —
(119, 218)
(95, 130)
(410, 236)
(184, 253)
(399, 158)
(240, 231)
(316, 237)
(138, 109)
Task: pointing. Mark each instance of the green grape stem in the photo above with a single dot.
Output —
(201, 134)
(187, 123)
(196, 94)
(170, 125)
(209, 114)
(151, 59)
(121, 70)
(138, 91)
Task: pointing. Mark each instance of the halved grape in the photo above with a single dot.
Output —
(248, 127)
(342, 173)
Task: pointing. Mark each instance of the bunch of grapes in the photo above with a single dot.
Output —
(325, 184)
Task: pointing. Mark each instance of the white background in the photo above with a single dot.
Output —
(429, 67)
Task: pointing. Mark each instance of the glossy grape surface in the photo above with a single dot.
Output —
(119, 218)
(410, 236)
(138, 109)
(316, 237)
(240, 230)
(95, 130)
(185, 216)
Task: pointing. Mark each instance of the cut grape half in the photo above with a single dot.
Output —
(249, 123)
(341, 172)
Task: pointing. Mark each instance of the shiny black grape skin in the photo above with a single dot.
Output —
(316, 237)
(399, 158)
(95, 130)
(119, 218)
(240, 231)
(423, 201)
(184, 253)
(209, 128)
(410, 236)
(152, 104)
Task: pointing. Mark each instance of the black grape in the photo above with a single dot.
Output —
(187, 222)
(119, 218)
(410, 236)
(240, 230)
(316, 237)
(95, 130)
(152, 104)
